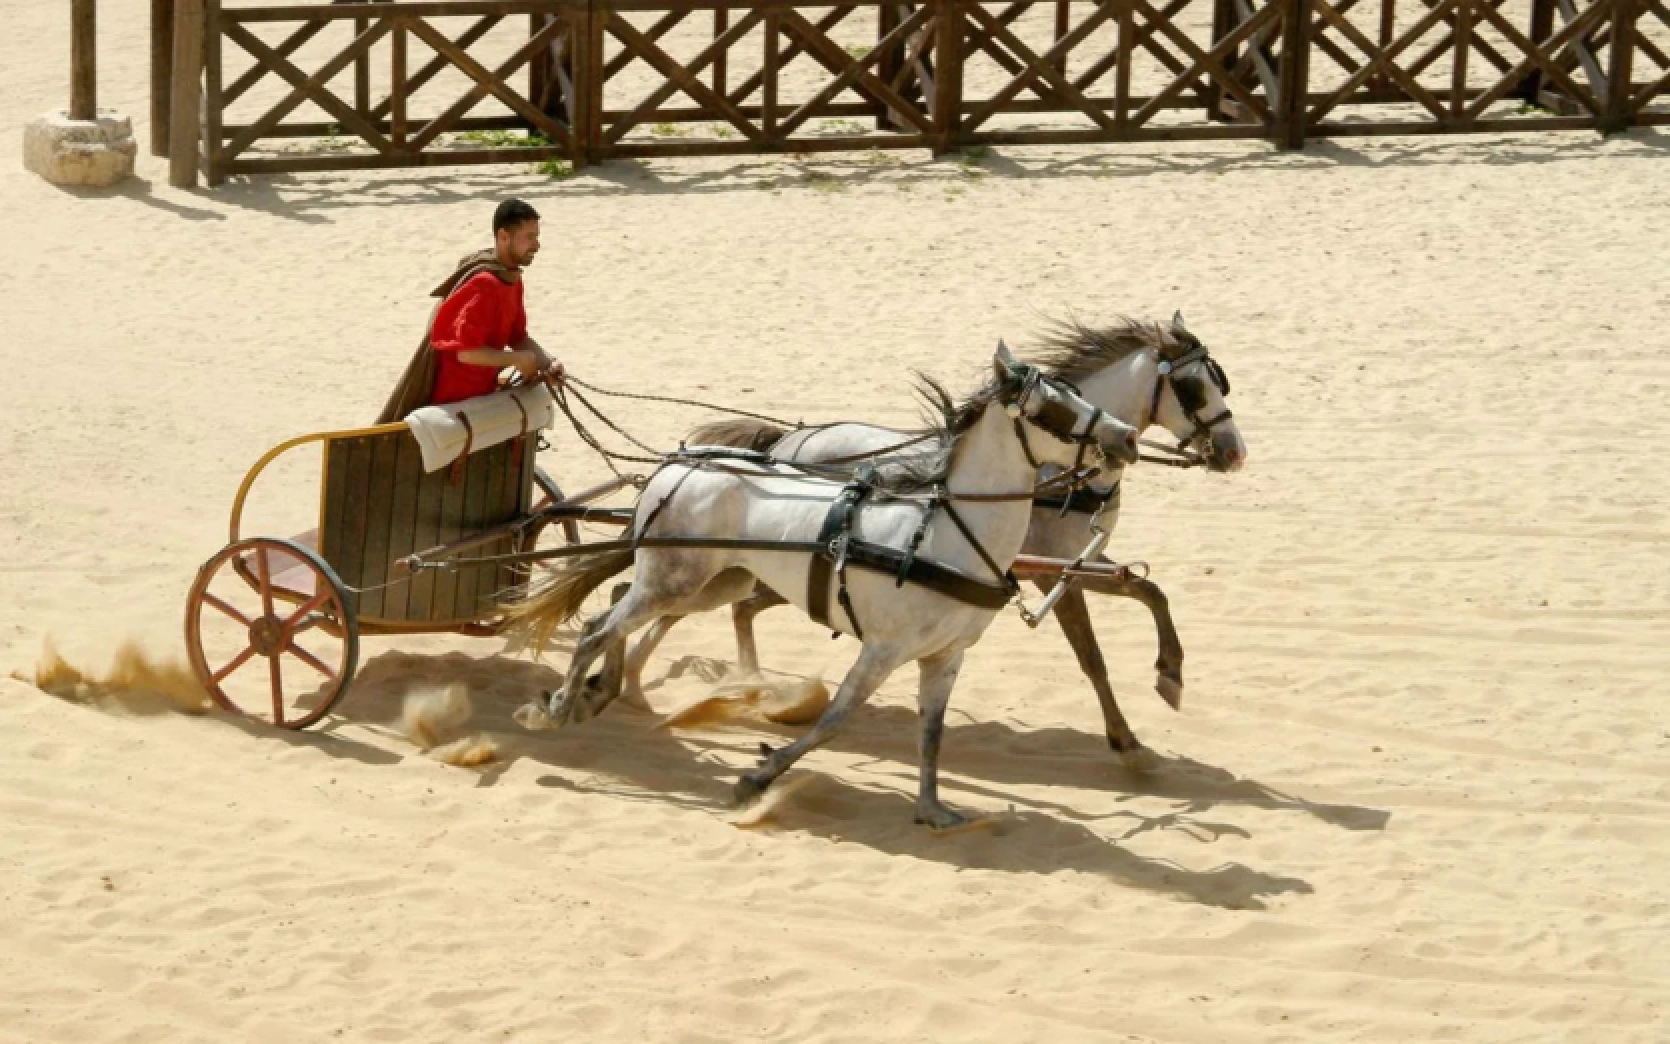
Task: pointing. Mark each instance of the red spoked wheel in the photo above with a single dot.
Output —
(265, 599)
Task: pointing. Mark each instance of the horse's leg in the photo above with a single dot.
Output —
(1073, 615)
(742, 618)
(861, 682)
(633, 688)
(578, 701)
(938, 675)
(1169, 664)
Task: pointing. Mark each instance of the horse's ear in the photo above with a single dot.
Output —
(1177, 323)
(1003, 362)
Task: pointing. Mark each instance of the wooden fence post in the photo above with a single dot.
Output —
(186, 94)
(1223, 23)
(1294, 75)
(162, 73)
(1621, 67)
(1542, 27)
(84, 60)
(949, 28)
(892, 61)
(212, 104)
(586, 35)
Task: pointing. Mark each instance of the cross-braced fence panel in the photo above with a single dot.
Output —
(759, 78)
(375, 83)
(1423, 66)
(1649, 94)
(350, 85)
(1117, 70)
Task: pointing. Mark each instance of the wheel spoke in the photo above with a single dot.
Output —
(221, 604)
(296, 617)
(236, 662)
(278, 689)
(263, 569)
(312, 661)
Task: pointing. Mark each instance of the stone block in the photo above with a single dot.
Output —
(96, 153)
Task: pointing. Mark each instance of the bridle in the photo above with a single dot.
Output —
(1168, 373)
(1054, 417)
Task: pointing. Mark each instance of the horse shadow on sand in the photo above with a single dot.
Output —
(624, 755)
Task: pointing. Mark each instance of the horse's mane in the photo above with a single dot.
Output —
(1072, 350)
(1069, 350)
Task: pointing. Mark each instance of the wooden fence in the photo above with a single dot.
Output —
(239, 88)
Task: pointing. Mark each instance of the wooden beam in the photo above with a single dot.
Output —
(1619, 110)
(213, 107)
(1295, 74)
(950, 29)
(186, 93)
(162, 73)
(397, 86)
(84, 60)
(768, 73)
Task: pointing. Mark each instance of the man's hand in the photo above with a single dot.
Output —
(527, 365)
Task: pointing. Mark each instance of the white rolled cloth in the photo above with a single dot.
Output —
(441, 433)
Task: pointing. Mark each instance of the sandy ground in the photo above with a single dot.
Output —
(1418, 789)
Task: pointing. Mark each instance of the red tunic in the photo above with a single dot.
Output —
(483, 313)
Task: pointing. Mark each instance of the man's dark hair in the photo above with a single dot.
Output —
(513, 212)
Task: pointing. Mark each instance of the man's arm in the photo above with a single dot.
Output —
(549, 365)
(527, 363)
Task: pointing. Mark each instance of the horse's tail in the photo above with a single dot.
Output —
(553, 601)
(741, 432)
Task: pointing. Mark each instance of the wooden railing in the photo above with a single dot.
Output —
(400, 82)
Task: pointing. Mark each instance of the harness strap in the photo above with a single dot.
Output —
(834, 542)
(916, 540)
(655, 512)
(456, 474)
(1082, 501)
(1011, 585)
(521, 442)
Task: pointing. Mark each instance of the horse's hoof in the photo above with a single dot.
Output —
(1170, 688)
(748, 789)
(632, 695)
(942, 820)
(534, 716)
(1139, 758)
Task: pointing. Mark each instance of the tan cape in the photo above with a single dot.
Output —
(417, 383)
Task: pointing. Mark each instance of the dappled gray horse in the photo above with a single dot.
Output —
(1145, 374)
(912, 557)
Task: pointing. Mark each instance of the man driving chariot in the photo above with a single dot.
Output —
(480, 328)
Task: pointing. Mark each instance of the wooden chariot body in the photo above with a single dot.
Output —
(342, 579)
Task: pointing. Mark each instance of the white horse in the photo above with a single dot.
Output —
(1144, 374)
(913, 561)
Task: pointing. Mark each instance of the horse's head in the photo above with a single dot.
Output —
(1056, 408)
(1190, 389)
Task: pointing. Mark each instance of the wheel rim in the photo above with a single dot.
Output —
(273, 600)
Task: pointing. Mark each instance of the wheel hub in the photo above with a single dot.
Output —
(266, 636)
